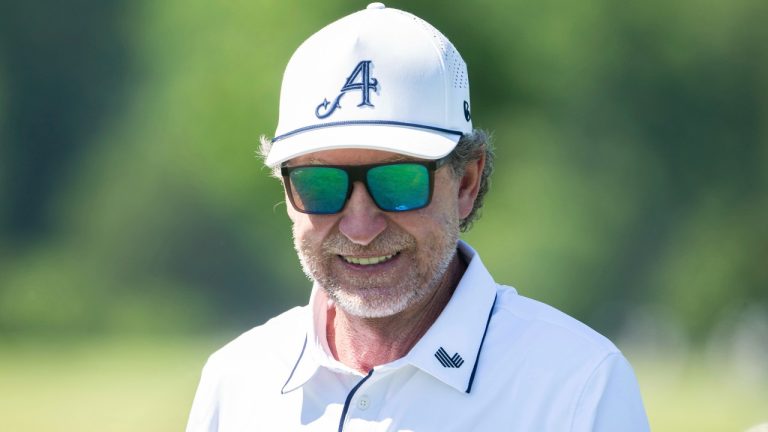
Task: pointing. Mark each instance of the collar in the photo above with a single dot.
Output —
(449, 351)
(315, 353)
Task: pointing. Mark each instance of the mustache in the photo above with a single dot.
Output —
(388, 242)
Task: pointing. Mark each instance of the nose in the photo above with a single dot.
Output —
(361, 221)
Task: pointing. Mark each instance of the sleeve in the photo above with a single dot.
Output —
(611, 400)
(204, 415)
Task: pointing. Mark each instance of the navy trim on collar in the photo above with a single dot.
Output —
(477, 359)
(349, 399)
(282, 391)
(461, 328)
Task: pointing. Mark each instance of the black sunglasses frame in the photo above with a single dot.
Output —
(358, 173)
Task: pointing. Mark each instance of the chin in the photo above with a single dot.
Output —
(373, 304)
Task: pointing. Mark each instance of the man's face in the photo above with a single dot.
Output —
(374, 263)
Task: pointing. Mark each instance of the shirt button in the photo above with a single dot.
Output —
(364, 402)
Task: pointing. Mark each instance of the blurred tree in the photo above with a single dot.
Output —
(65, 71)
(631, 146)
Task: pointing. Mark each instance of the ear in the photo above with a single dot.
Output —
(469, 186)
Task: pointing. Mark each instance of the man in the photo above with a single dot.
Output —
(405, 329)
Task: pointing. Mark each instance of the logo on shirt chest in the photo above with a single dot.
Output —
(450, 362)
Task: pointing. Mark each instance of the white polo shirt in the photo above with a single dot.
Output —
(493, 361)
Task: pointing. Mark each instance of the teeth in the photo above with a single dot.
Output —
(367, 261)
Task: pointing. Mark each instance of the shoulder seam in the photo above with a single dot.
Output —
(586, 384)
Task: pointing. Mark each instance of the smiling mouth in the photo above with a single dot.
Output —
(365, 261)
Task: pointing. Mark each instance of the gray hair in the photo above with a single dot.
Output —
(470, 148)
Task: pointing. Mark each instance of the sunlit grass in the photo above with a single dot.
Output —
(149, 385)
(106, 386)
(700, 395)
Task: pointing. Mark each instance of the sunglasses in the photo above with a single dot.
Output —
(394, 186)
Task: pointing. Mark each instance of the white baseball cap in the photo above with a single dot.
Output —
(379, 79)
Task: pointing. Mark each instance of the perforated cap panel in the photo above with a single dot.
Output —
(404, 87)
(452, 60)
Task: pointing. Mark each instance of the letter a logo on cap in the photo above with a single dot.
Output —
(362, 70)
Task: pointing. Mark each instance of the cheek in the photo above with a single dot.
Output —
(433, 222)
(446, 193)
(310, 228)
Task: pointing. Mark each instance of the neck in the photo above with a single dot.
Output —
(362, 343)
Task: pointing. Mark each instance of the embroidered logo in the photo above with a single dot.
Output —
(365, 84)
(467, 115)
(450, 362)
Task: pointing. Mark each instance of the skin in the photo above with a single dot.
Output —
(377, 313)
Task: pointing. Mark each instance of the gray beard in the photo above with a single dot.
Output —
(414, 287)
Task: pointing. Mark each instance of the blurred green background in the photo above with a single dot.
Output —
(139, 232)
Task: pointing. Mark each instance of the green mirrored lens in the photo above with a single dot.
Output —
(321, 190)
(399, 187)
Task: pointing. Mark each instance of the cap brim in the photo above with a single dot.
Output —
(414, 142)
